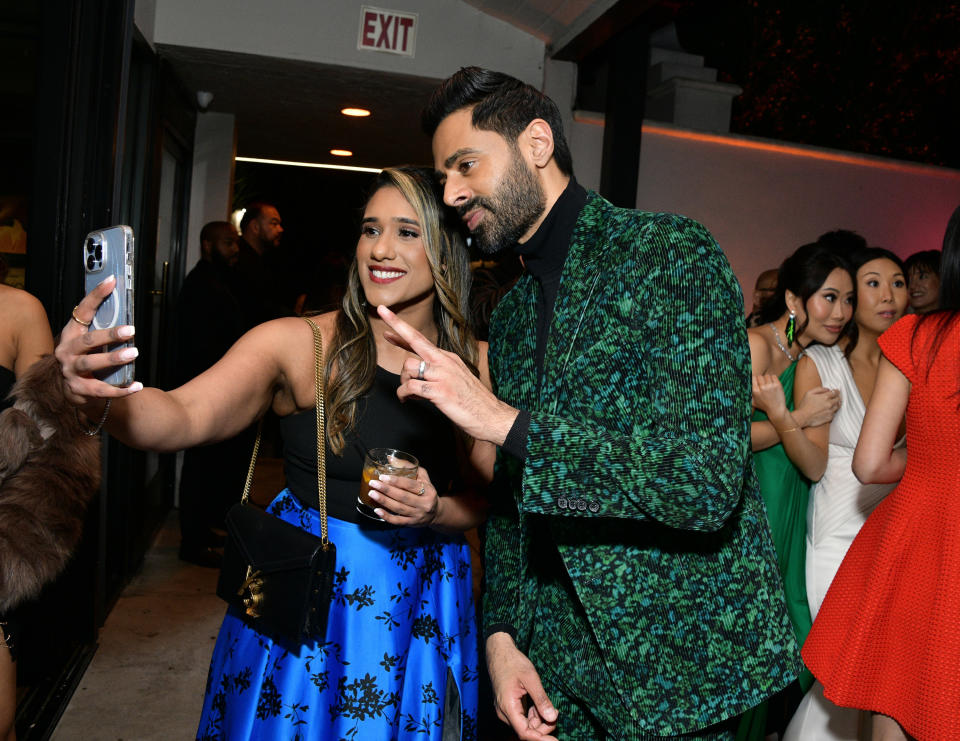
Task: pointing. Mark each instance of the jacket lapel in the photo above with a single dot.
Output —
(578, 284)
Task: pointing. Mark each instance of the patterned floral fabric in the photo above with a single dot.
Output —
(401, 647)
(639, 470)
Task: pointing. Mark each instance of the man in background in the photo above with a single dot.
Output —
(209, 321)
(763, 290)
(256, 281)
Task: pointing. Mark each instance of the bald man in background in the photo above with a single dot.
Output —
(763, 289)
(209, 321)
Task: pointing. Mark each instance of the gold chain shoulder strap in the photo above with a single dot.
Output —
(321, 435)
(321, 440)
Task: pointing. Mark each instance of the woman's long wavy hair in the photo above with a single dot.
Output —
(353, 363)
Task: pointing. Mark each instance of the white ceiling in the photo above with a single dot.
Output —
(556, 22)
(288, 109)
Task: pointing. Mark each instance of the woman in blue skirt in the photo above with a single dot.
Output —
(399, 657)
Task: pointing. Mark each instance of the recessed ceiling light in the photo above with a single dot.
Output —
(357, 112)
(341, 152)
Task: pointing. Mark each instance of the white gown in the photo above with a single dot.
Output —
(839, 505)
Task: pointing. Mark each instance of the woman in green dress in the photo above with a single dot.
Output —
(813, 303)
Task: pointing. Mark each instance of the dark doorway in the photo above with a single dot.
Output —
(321, 212)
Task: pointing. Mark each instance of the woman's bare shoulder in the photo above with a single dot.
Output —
(760, 350)
(291, 327)
(327, 324)
(21, 305)
(808, 375)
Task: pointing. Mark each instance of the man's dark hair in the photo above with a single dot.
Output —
(212, 229)
(253, 210)
(501, 103)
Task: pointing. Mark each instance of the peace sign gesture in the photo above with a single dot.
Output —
(442, 378)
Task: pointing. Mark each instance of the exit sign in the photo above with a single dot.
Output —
(387, 30)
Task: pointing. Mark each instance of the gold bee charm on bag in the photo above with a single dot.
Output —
(252, 592)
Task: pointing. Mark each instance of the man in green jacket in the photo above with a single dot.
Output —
(631, 584)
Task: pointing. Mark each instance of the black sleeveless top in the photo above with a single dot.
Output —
(414, 426)
(6, 383)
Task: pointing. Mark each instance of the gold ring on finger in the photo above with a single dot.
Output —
(78, 320)
(423, 488)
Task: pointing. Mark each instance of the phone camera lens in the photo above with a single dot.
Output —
(90, 263)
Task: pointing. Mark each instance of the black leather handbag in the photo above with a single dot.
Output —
(278, 575)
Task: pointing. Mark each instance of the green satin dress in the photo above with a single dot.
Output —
(785, 493)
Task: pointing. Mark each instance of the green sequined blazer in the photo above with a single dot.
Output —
(639, 459)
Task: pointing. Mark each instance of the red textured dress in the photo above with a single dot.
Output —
(887, 638)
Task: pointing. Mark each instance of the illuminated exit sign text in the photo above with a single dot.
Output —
(387, 30)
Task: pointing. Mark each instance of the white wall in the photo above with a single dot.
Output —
(211, 188)
(144, 15)
(586, 145)
(560, 85)
(450, 34)
(762, 199)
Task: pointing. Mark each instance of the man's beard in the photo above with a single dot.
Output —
(513, 208)
(221, 263)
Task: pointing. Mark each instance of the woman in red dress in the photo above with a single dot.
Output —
(887, 638)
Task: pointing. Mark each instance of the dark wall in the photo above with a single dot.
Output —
(321, 217)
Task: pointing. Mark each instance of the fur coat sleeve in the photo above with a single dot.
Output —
(49, 470)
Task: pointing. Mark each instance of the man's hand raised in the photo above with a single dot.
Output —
(442, 378)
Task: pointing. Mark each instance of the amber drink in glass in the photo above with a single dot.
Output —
(383, 461)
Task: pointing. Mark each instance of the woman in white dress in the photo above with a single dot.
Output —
(839, 504)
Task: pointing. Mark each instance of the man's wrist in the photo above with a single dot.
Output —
(506, 418)
(498, 644)
(500, 631)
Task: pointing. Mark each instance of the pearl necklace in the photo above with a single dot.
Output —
(776, 336)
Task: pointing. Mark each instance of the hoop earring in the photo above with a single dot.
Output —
(791, 328)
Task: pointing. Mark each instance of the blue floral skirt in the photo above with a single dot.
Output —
(400, 648)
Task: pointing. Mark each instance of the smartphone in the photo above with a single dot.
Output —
(109, 252)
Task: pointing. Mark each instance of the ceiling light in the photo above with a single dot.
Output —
(341, 153)
(356, 112)
(289, 163)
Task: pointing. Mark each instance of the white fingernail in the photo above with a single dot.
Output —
(127, 331)
(129, 353)
(106, 280)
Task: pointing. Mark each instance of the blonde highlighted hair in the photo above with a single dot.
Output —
(353, 362)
